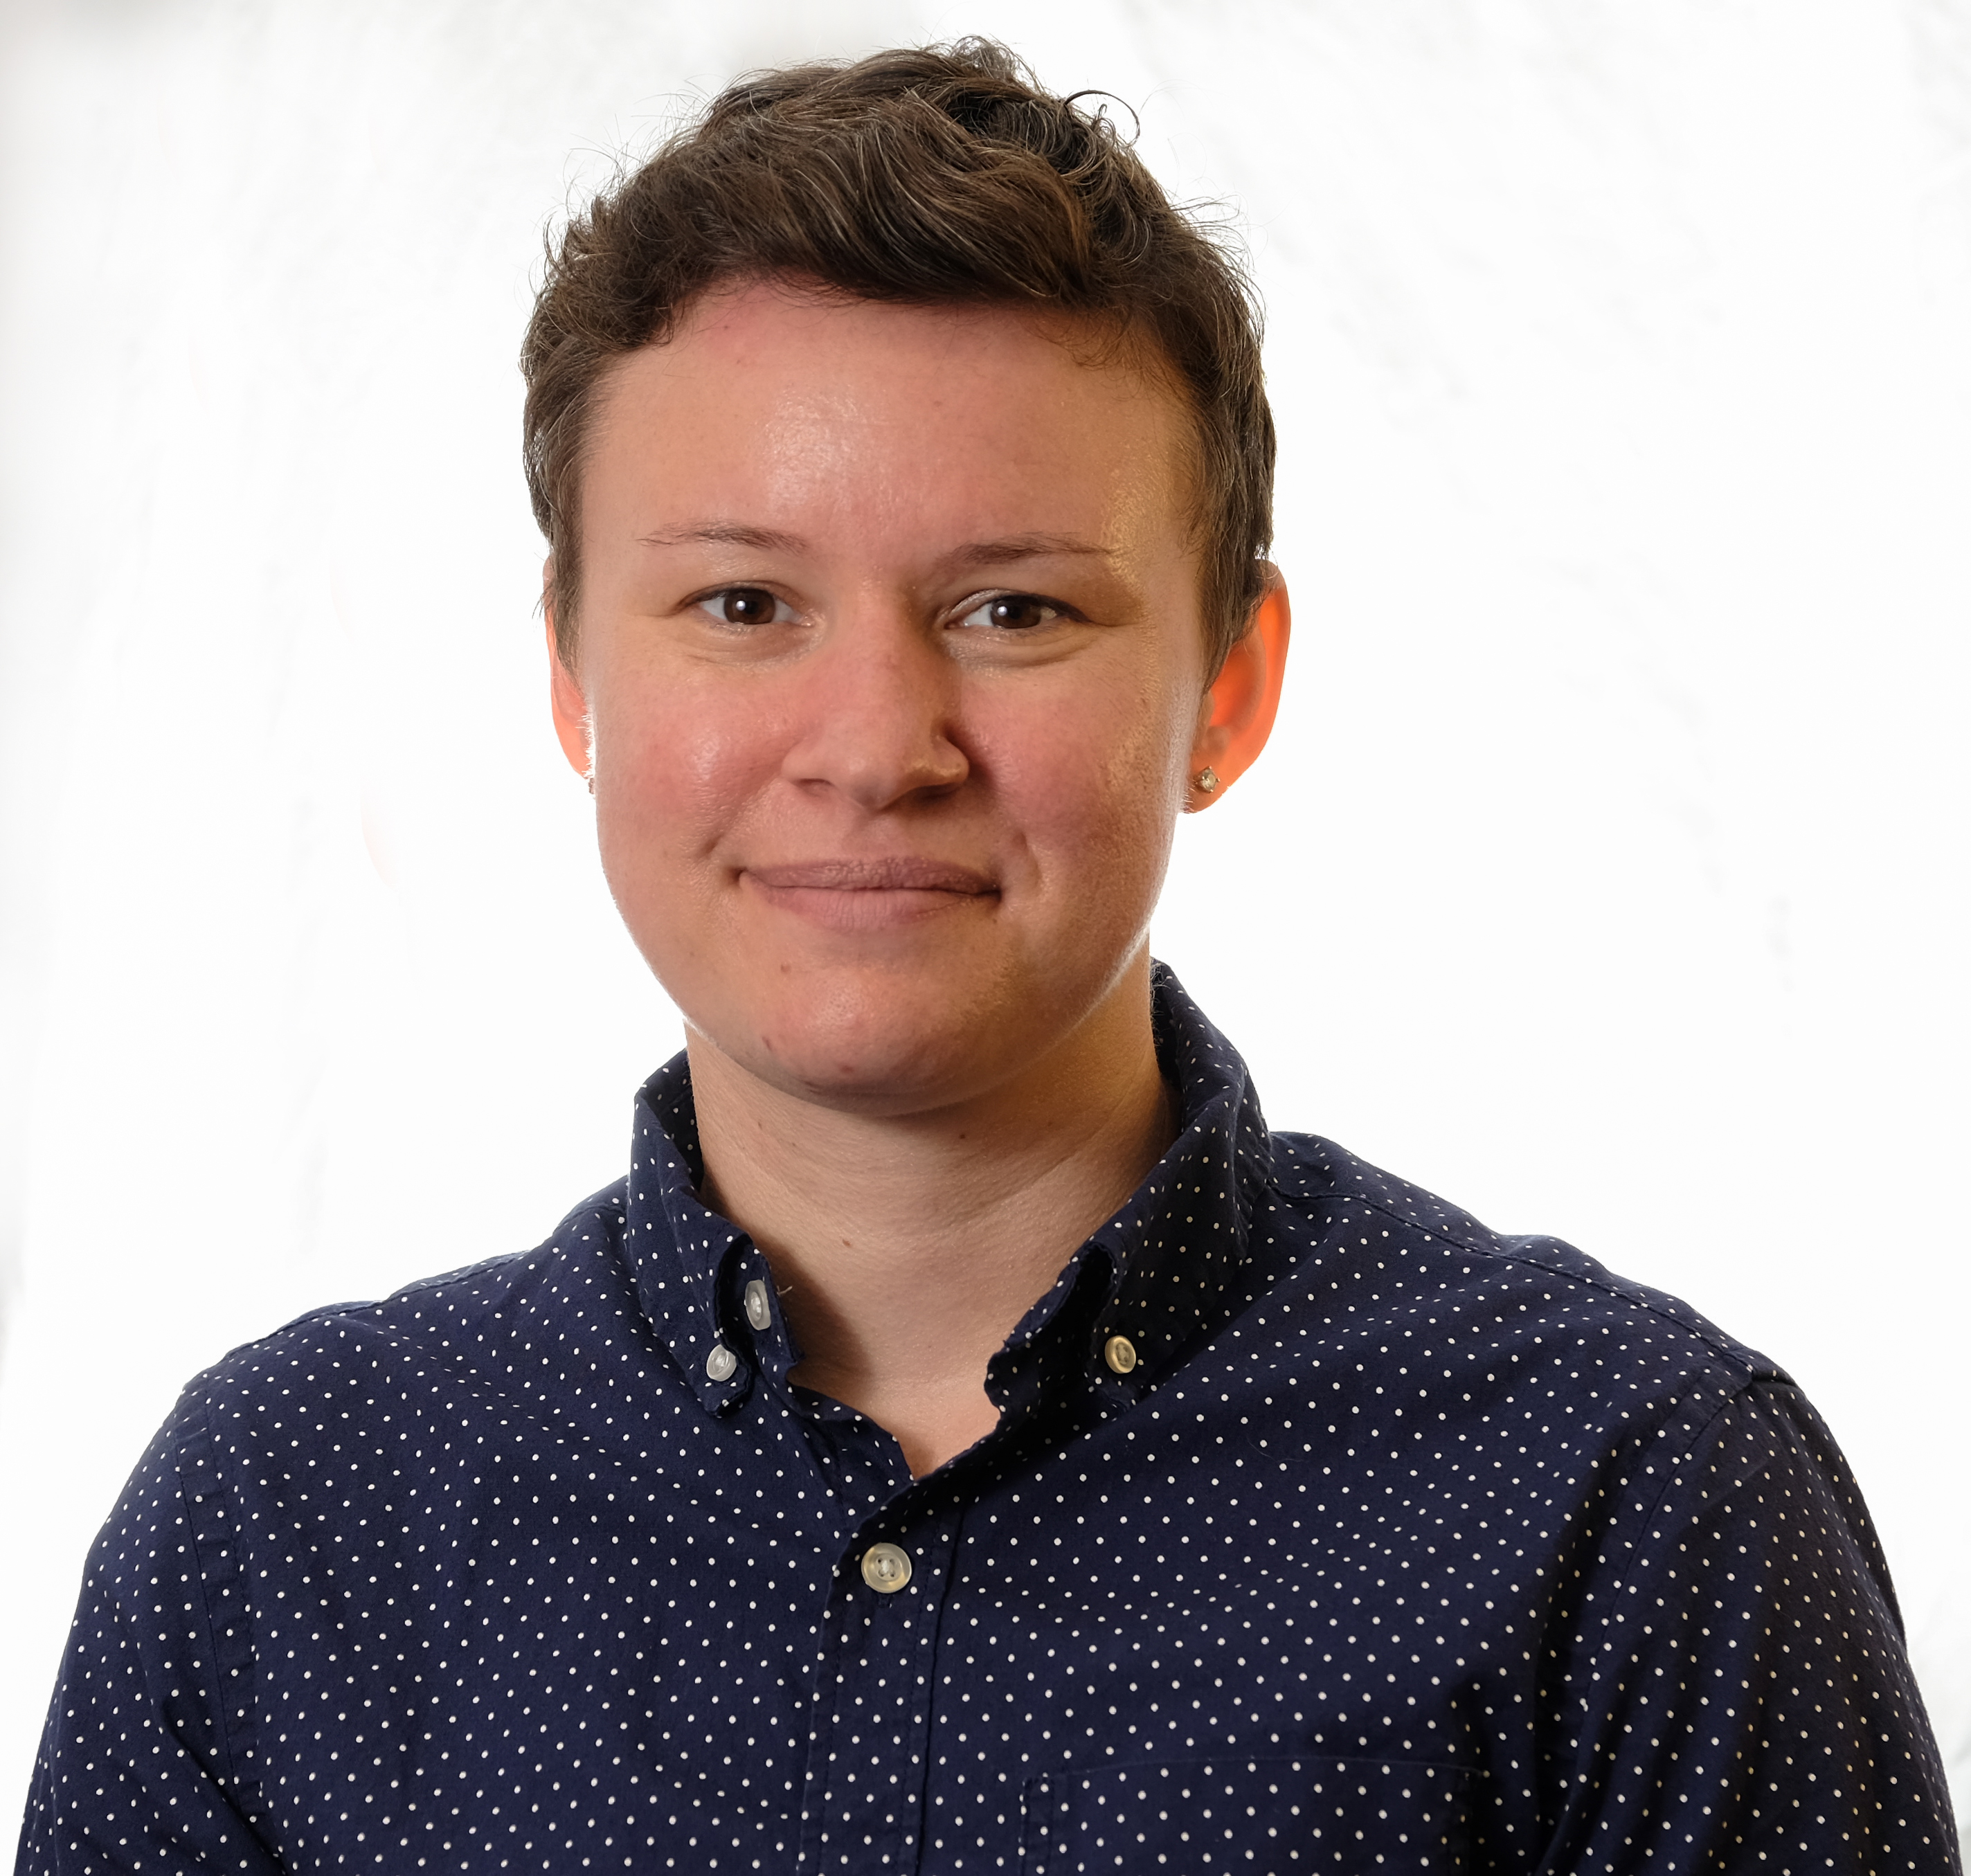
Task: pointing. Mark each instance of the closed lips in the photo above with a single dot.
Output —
(901, 874)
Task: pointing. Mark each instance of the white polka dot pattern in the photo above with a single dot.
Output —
(1401, 1546)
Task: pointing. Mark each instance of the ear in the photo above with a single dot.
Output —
(1236, 716)
(570, 706)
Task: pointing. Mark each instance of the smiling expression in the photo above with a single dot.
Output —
(891, 649)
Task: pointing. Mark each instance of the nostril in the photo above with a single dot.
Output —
(877, 765)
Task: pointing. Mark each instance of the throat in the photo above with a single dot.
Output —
(907, 1249)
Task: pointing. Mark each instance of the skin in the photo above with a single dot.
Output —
(891, 671)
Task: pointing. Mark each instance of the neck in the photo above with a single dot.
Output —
(906, 1249)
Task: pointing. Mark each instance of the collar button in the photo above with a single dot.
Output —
(1120, 1353)
(886, 1567)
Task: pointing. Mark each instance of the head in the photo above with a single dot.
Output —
(905, 468)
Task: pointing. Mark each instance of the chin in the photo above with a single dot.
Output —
(886, 1063)
(881, 1046)
(894, 1028)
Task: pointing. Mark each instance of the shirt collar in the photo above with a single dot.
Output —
(682, 1255)
(1162, 1275)
(1180, 1246)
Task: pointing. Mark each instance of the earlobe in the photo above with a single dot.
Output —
(570, 708)
(1244, 700)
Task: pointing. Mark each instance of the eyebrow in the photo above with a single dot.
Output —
(725, 534)
(972, 554)
(1026, 547)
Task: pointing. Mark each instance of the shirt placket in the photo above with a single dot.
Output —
(862, 1806)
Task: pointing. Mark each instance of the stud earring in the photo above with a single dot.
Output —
(1208, 781)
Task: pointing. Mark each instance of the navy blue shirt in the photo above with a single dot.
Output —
(1323, 1529)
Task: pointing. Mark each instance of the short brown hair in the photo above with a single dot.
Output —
(943, 176)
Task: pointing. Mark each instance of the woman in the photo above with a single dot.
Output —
(968, 1436)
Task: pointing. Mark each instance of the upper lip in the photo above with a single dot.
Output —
(900, 873)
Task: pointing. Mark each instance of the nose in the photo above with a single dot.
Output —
(877, 711)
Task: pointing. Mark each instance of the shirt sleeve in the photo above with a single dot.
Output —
(141, 1761)
(1736, 1695)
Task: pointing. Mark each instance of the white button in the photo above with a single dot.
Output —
(722, 1364)
(759, 1312)
(886, 1567)
(1120, 1352)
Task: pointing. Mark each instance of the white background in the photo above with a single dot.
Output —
(1607, 871)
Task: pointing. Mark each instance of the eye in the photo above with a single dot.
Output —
(1012, 612)
(746, 605)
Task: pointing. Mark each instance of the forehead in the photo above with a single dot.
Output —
(871, 416)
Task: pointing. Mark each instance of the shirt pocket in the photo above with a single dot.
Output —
(1264, 1817)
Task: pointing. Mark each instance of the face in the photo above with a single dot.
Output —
(890, 649)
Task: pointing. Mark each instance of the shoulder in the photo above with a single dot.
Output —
(441, 1329)
(1479, 1312)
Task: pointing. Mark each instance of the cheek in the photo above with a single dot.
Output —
(1097, 782)
(674, 764)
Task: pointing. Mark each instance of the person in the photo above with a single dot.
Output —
(969, 1437)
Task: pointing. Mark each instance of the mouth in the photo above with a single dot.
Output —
(867, 895)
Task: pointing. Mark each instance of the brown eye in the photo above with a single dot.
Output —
(746, 605)
(1012, 612)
